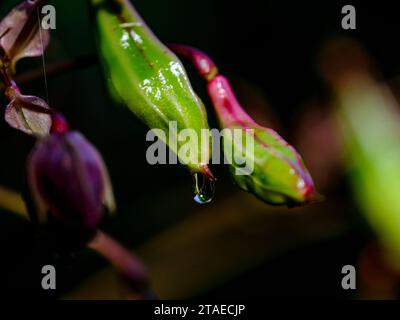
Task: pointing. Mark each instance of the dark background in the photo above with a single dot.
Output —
(270, 45)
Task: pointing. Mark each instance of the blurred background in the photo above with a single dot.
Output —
(330, 92)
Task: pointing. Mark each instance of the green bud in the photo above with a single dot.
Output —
(147, 77)
(273, 171)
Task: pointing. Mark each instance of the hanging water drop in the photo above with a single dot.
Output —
(203, 188)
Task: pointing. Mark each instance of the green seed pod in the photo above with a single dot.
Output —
(260, 161)
(147, 77)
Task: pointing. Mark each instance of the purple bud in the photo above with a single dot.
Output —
(69, 181)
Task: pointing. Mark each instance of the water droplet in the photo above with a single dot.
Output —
(203, 188)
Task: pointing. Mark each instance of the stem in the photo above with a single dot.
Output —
(5, 78)
(4, 64)
(54, 69)
(201, 61)
(58, 123)
(127, 264)
(10, 86)
(57, 68)
(226, 105)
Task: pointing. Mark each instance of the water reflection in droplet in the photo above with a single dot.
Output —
(203, 188)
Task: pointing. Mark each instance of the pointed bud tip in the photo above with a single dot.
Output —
(310, 195)
(315, 197)
(207, 172)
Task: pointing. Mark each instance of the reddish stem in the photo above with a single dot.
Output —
(225, 103)
(201, 61)
(57, 68)
(128, 265)
(5, 77)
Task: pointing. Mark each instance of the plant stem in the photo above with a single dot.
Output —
(127, 264)
(224, 100)
(201, 61)
(56, 68)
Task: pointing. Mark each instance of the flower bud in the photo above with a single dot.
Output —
(69, 181)
(273, 170)
(278, 174)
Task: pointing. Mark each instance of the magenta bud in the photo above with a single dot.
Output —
(69, 182)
